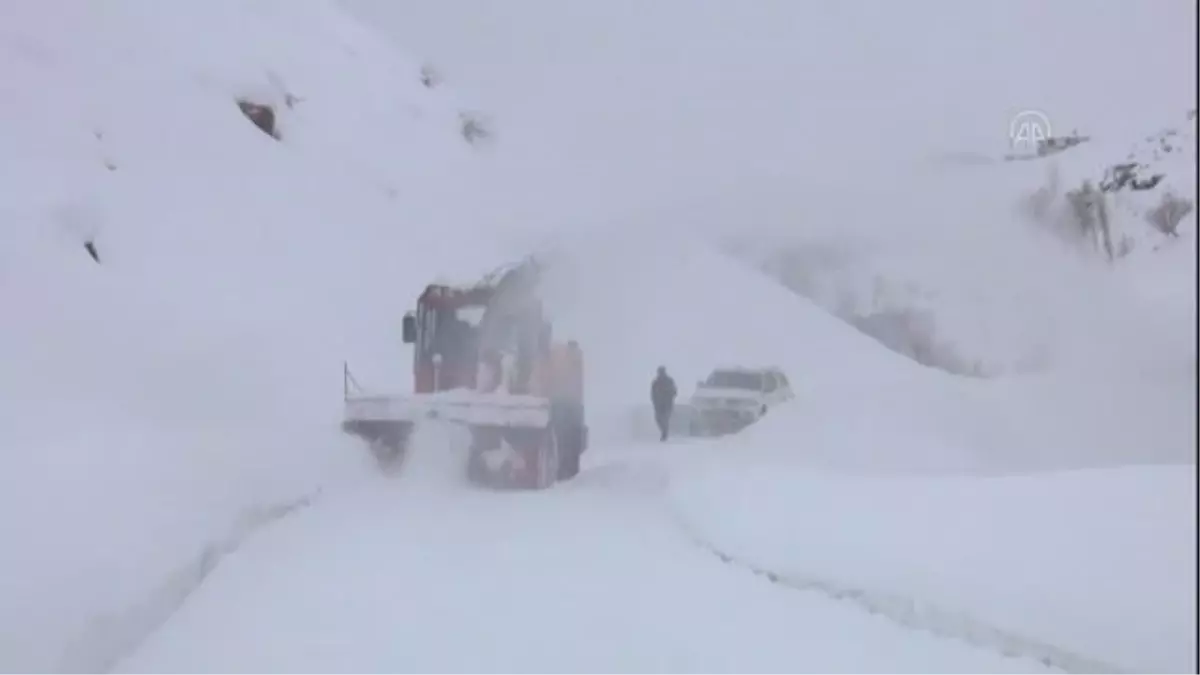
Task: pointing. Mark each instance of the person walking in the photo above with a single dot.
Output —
(662, 395)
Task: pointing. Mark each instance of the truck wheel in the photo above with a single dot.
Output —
(571, 444)
(549, 460)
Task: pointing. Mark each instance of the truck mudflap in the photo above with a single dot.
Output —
(386, 439)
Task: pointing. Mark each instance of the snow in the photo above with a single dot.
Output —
(1098, 563)
(551, 582)
(633, 323)
(177, 493)
(753, 113)
(997, 291)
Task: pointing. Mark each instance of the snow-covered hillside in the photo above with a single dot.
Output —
(766, 105)
(812, 128)
(690, 308)
(191, 370)
(991, 270)
(983, 286)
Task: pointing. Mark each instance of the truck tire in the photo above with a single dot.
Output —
(572, 440)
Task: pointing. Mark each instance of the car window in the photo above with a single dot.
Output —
(733, 379)
(771, 383)
(783, 381)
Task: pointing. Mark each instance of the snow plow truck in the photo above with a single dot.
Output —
(484, 356)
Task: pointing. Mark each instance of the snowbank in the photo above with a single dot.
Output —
(189, 370)
(644, 299)
(859, 406)
(1100, 564)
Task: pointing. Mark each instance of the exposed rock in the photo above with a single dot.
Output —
(263, 116)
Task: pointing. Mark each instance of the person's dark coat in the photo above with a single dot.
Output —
(662, 395)
(663, 392)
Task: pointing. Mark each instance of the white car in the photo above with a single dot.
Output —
(731, 399)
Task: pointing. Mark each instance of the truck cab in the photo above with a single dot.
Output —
(444, 332)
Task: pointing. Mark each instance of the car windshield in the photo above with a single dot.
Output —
(732, 379)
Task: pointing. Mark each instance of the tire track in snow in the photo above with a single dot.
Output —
(914, 614)
(110, 638)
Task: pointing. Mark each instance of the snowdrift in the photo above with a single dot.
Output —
(647, 299)
(184, 365)
(859, 406)
(1097, 564)
(644, 299)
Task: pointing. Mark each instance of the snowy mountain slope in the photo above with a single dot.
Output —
(817, 124)
(700, 101)
(988, 273)
(690, 308)
(1092, 566)
(820, 121)
(643, 300)
(193, 371)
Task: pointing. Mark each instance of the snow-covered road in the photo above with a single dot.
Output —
(417, 574)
